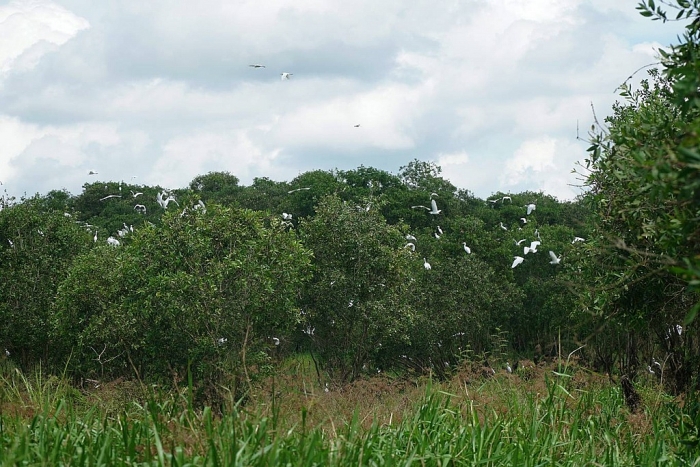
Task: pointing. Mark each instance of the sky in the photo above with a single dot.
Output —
(490, 90)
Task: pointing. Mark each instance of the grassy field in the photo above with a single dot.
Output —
(545, 415)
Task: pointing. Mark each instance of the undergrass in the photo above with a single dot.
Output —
(545, 416)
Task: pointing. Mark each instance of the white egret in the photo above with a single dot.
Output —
(516, 261)
(298, 189)
(537, 234)
(113, 241)
(7, 353)
(94, 239)
(412, 246)
(200, 205)
(423, 207)
(285, 75)
(221, 341)
(135, 194)
(530, 207)
(518, 242)
(12, 244)
(276, 340)
(437, 235)
(493, 201)
(533, 246)
(439, 230)
(502, 226)
(426, 264)
(578, 239)
(466, 248)
(163, 201)
(286, 217)
(650, 370)
(555, 259)
(110, 196)
(410, 237)
(508, 368)
(433, 194)
(523, 220)
(506, 198)
(140, 208)
(435, 210)
(351, 303)
(526, 250)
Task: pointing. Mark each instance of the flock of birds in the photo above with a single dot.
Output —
(517, 260)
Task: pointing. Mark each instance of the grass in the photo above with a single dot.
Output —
(536, 416)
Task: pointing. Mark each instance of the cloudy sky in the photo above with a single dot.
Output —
(162, 90)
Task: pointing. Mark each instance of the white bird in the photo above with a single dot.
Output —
(493, 201)
(503, 226)
(518, 242)
(436, 235)
(135, 194)
(537, 234)
(94, 239)
(140, 208)
(298, 189)
(163, 201)
(433, 194)
(423, 207)
(508, 368)
(284, 76)
(12, 244)
(516, 261)
(221, 341)
(110, 196)
(650, 370)
(276, 340)
(286, 217)
(412, 246)
(435, 210)
(530, 207)
(257, 65)
(113, 241)
(7, 353)
(439, 230)
(523, 220)
(506, 198)
(655, 363)
(410, 237)
(92, 172)
(578, 239)
(534, 245)
(555, 260)
(466, 248)
(426, 264)
(351, 303)
(200, 205)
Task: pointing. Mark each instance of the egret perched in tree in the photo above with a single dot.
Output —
(412, 246)
(466, 248)
(7, 353)
(276, 340)
(578, 239)
(555, 259)
(286, 217)
(94, 239)
(163, 201)
(508, 368)
(502, 226)
(439, 230)
(436, 235)
(530, 207)
(410, 237)
(516, 261)
(221, 340)
(426, 264)
(113, 241)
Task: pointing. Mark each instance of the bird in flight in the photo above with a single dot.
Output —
(410, 237)
(412, 246)
(577, 239)
(140, 208)
(555, 259)
(357, 126)
(285, 75)
(298, 189)
(92, 172)
(502, 226)
(110, 196)
(530, 207)
(257, 65)
(516, 261)
(135, 194)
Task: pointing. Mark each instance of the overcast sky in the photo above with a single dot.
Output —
(491, 90)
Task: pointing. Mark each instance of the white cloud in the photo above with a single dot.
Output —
(30, 29)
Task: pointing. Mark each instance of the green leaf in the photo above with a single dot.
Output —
(690, 317)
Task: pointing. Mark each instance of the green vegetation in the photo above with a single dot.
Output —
(299, 323)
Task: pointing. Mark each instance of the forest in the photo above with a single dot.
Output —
(217, 285)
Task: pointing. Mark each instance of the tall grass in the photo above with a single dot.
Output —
(497, 421)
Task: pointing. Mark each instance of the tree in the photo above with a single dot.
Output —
(202, 293)
(357, 300)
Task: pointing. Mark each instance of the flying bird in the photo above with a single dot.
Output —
(110, 196)
(412, 246)
(140, 208)
(578, 239)
(298, 189)
(555, 259)
(435, 210)
(518, 242)
(257, 65)
(516, 261)
(285, 76)
(410, 237)
(136, 194)
(426, 265)
(466, 248)
(163, 201)
(286, 217)
(530, 207)
(357, 126)
(276, 340)
(506, 198)
(503, 226)
(523, 220)
(92, 172)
